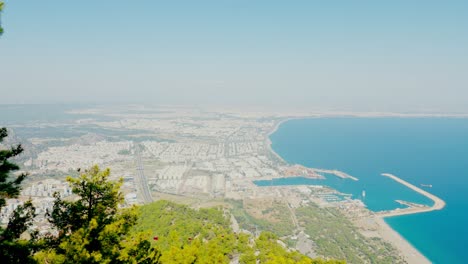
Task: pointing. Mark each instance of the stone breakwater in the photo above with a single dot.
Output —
(438, 203)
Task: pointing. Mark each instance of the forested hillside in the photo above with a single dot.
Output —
(185, 235)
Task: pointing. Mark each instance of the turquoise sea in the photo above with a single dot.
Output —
(418, 150)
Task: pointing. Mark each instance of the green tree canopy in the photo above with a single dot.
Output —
(98, 200)
(92, 228)
(1, 8)
(13, 249)
(10, 186)
(186, 235)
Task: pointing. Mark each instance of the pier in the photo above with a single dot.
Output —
(337, 173)
(438, 203)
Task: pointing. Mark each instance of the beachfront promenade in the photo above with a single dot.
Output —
(438, 203)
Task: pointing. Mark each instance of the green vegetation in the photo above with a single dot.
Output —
(92, 228)
(185, 235)
(337, 237)
(9, 185)
(14, 249)
(273, 216)
(1, 8)
(269, 251)
(179, 218)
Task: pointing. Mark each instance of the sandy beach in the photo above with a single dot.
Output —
(410, 253)
(268, 141)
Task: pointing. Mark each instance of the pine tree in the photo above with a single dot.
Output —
(92, 228)
(1, 8)
(13, 249)
(9, 186)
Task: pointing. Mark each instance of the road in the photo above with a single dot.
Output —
(140, 179)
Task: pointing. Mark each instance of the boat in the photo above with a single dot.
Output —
(426, 185)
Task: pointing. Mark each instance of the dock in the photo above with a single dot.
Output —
(337, 173)
(438, 203)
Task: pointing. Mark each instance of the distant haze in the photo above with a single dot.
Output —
(348, 55)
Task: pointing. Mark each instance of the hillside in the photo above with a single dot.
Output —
(184, 235)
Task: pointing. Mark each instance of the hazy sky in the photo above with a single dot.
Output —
(361, 55)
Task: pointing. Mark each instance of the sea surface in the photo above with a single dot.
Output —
(418, 150)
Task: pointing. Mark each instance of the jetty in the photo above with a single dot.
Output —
(337, 173)
(438, 203)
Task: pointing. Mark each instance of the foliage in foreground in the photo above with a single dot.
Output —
(10, 186)
(1, 8)
(92, 228)
(14, 249)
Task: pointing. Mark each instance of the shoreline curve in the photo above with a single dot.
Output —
(409, 252)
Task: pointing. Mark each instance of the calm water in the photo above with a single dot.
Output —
(419, 150)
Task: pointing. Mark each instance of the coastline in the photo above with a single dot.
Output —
(275, 128)
(410, 253)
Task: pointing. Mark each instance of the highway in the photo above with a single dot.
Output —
(140, 179)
